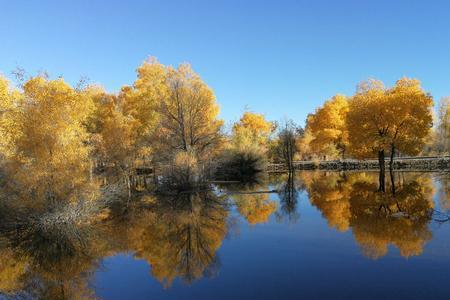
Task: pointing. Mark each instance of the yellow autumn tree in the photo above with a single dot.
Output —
(247, 152)
(142, 100)
(410, 117)
(105, 106)
(188, 116)
(328, 127)
(304, 145)
(367, 120)
(368, 124)
(140, 104)
(119, 139)
(165, 111)
(9, 108)
(50, 152)
(252, 130)
(384, 120)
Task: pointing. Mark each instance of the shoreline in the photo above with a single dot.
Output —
(399, 164)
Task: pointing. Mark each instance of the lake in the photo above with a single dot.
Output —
(316, 235)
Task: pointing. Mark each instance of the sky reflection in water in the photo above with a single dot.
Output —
(323, 235)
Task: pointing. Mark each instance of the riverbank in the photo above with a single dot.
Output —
(429, 163)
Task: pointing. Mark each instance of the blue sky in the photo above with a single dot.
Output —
(280, 58)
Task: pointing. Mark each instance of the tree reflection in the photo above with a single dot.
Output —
(288, 192)
(48, 251)
(253, 203)
(402, 220)
(377, 219)
(329, 192)
(444, 192)
(12, 270)
(182, 238)
(45, 264)
(178, 236)
(44, 255)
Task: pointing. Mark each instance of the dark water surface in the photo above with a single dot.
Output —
(321, 235)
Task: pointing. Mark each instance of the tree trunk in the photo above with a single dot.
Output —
(391, 162)
(290, 157)
(391, 169)
(382, 187)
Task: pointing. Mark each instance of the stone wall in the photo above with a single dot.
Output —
(413, 164)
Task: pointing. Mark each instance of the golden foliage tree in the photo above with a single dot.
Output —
(304, 145)
(252, 130)
(367, 120)
(384, 120)
(140, 104)
(410, 113)
(188, 115)
(328, 127)
(49, 150)
(9, 105)
(142, 100)
(380, 119)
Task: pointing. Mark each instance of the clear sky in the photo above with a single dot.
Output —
(280, 58)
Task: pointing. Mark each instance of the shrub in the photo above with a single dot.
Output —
(244, 165)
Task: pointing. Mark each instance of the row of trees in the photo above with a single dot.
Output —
(54, 135)
(169, 116)
(374, 122)
(52, 132)
(378, 120)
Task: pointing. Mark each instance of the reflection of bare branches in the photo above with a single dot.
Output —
(288, 195)
(444, 191)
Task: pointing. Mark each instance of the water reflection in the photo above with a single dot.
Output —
(42, 264)
(288, 193)
(377, 219)
(179, 236)
(254, 204)
(444, 193)
(182, 237)
(47, 246)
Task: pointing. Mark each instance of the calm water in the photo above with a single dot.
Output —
(320, 236)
